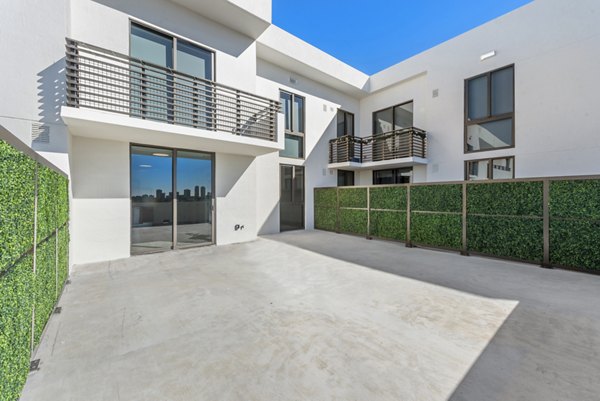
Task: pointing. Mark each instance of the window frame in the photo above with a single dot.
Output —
(346, 113)
(346, 174)
(393, 116)
(489, 118)
(175, 38)
(396, 172)
(490, 168)
(291, 131)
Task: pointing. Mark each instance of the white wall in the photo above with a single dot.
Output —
(321, 104)
(100, 206)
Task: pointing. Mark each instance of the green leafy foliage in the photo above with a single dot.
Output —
(438, 230)
(436, 198)
(505, 198)
(326, 218)
(17, 174)
(62, 199)
(353, 197)
(325, 197)
(16, 289)
(63, 256)
(353, 221)
(575, 243)
(45, 285)
(575, 198)
(47, 218)
(392, 198)
(389, 225)
(509, 237)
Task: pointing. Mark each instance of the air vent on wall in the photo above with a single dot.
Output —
(40, 133)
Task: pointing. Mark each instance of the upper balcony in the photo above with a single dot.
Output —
(113, 96)
(400, 148)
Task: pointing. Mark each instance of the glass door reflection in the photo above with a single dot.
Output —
(151, 199)
(194, 181)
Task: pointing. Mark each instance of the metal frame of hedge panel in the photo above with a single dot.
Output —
(552, 228)
(40, 268)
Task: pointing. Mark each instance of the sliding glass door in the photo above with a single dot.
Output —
(171, 199)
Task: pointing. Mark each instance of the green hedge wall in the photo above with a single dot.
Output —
(326, 209)
(439, 230)
(436, 198)
(391, 198)
(388, 224)
(26, 296)
(509, 237)
(16, 306)
(505, 198)
(16, 204)
(575, 224)
(325, 197)
(353, 221)
(353, 197)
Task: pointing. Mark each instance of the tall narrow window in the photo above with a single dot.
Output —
(393, 118)
(489, 114)
(345, 123)
(293, 110)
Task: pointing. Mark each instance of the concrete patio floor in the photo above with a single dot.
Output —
(320, 316)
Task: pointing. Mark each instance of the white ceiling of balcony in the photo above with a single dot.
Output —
(242, 16)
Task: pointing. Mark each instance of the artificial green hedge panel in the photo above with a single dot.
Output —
(353, 197)
(388, 225)
(47, 218)
(353, 221)
(574, 243)
(505, 198)
(45, 285)
(392, 198)
(325, 218)
(575, 198)
(508, 237)
(17, 177)
(63, 256)
(326, 197)
(15, 328)
(62, 199)
(439, 230)
(436, 198)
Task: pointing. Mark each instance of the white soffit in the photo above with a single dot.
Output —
(252, 20)
(293, 54)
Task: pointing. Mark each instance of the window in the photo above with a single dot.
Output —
(490, 169)
(157, 94)
(393, 118)
(293, 110)
(345, 123)
(345, 178)
(392, 176)
(489, 110)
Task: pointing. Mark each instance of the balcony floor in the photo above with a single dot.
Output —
(320, 316)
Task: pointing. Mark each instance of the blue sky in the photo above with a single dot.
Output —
(372, 35)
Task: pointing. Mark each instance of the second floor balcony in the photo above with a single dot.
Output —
(404, 147)
(106, 81)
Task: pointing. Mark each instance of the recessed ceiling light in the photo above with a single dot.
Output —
(145, 165)
(160, 154)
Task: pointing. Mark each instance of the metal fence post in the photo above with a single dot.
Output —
(546, 217)
(337, 210)
(464, 251)
(35, 210)
(408, 240)
(369, 213)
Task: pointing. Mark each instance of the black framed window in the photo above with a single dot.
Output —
(345, 178)
(499, 168)
(489, 110)
(392, 176)
(393, 118)
(345, 123)
(294, 116)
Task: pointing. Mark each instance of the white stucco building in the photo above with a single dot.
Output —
(165, 113)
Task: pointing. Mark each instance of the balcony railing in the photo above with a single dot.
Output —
(104, 80)
(408, 142)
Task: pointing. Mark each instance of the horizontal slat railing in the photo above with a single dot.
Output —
(105, 80)
(408, 142)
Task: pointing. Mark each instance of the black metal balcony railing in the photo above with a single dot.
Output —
(407, 142)
(105, 80)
